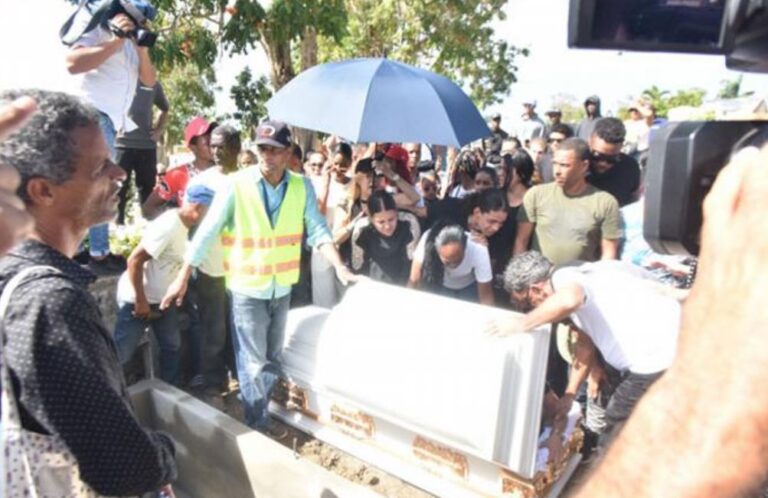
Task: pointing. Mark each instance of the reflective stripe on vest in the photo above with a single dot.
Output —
(254, 251)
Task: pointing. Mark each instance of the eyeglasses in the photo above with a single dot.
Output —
(599, 157)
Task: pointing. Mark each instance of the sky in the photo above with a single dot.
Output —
(33, 56)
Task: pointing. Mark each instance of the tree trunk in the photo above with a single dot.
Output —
(279, 55)
(306, 138)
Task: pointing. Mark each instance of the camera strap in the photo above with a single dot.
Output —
(97, 15)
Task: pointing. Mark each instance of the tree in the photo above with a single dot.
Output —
(190, 93)
(453, 38)
(731, 89)
(658, 99)
(250, 97)
(693, 97)
(573, 111)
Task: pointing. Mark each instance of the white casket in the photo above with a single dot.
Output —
(409, 382)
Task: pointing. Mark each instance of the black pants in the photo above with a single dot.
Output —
(630, 388)
(210, 337)
(144, 163)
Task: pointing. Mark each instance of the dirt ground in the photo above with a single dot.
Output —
(325, 455)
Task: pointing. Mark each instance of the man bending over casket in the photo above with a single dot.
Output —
(631, 319)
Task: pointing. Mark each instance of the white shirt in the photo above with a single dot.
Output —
(111, 86)
(632, 323)
(165, 239)
(475, 267)
(213, 178)
(337, 194)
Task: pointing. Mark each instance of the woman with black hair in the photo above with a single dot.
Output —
(448, 262)
(383, 244)
(518, 172)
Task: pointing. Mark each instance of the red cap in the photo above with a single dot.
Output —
(400, 156)
(196, 128)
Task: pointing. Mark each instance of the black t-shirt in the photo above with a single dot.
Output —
(621, 181)
(386, 258)
(492, 144)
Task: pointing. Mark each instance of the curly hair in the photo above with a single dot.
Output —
(44, 147)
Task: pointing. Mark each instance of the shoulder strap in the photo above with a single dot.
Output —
(96, 18)
(10, 410)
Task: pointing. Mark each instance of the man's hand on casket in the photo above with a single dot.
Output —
(502, 327)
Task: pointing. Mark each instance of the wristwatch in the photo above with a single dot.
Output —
(395, 177)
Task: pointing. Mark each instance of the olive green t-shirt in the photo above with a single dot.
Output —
(569, 228)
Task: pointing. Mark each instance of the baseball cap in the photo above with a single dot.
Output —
(197, 128)
(554, 111)
(199, 194)
(496, 116)
(274, 133)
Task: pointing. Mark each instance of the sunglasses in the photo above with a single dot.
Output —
(605, 158)
(555, 140)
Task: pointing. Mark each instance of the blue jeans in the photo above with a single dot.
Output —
(129, 329)
(259, 329)
(98, 235)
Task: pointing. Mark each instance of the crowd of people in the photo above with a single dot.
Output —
(545, 221)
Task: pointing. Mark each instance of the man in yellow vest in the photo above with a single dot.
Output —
(260, 217)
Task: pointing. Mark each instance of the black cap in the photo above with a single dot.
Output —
(274, 133)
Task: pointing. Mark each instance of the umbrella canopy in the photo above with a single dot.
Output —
(379, 100)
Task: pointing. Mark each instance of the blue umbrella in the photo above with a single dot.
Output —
(379, 100)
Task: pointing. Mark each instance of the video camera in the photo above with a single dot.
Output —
(684, 157)
(101, 13)
(143, 37)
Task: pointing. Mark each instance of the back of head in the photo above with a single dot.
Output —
(611, 130)
(44, 147)
(297, 152)
(578, 146)
(522, 163)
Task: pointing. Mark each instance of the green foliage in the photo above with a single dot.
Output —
(731, 89)
(190, 92)
(123, 241)
(250, 97)
(663, 100)
(452, 37)
(692, 98)
(572, 109)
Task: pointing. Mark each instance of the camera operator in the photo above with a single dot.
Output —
(113, 65)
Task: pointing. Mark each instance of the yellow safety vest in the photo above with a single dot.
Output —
(254, 251)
